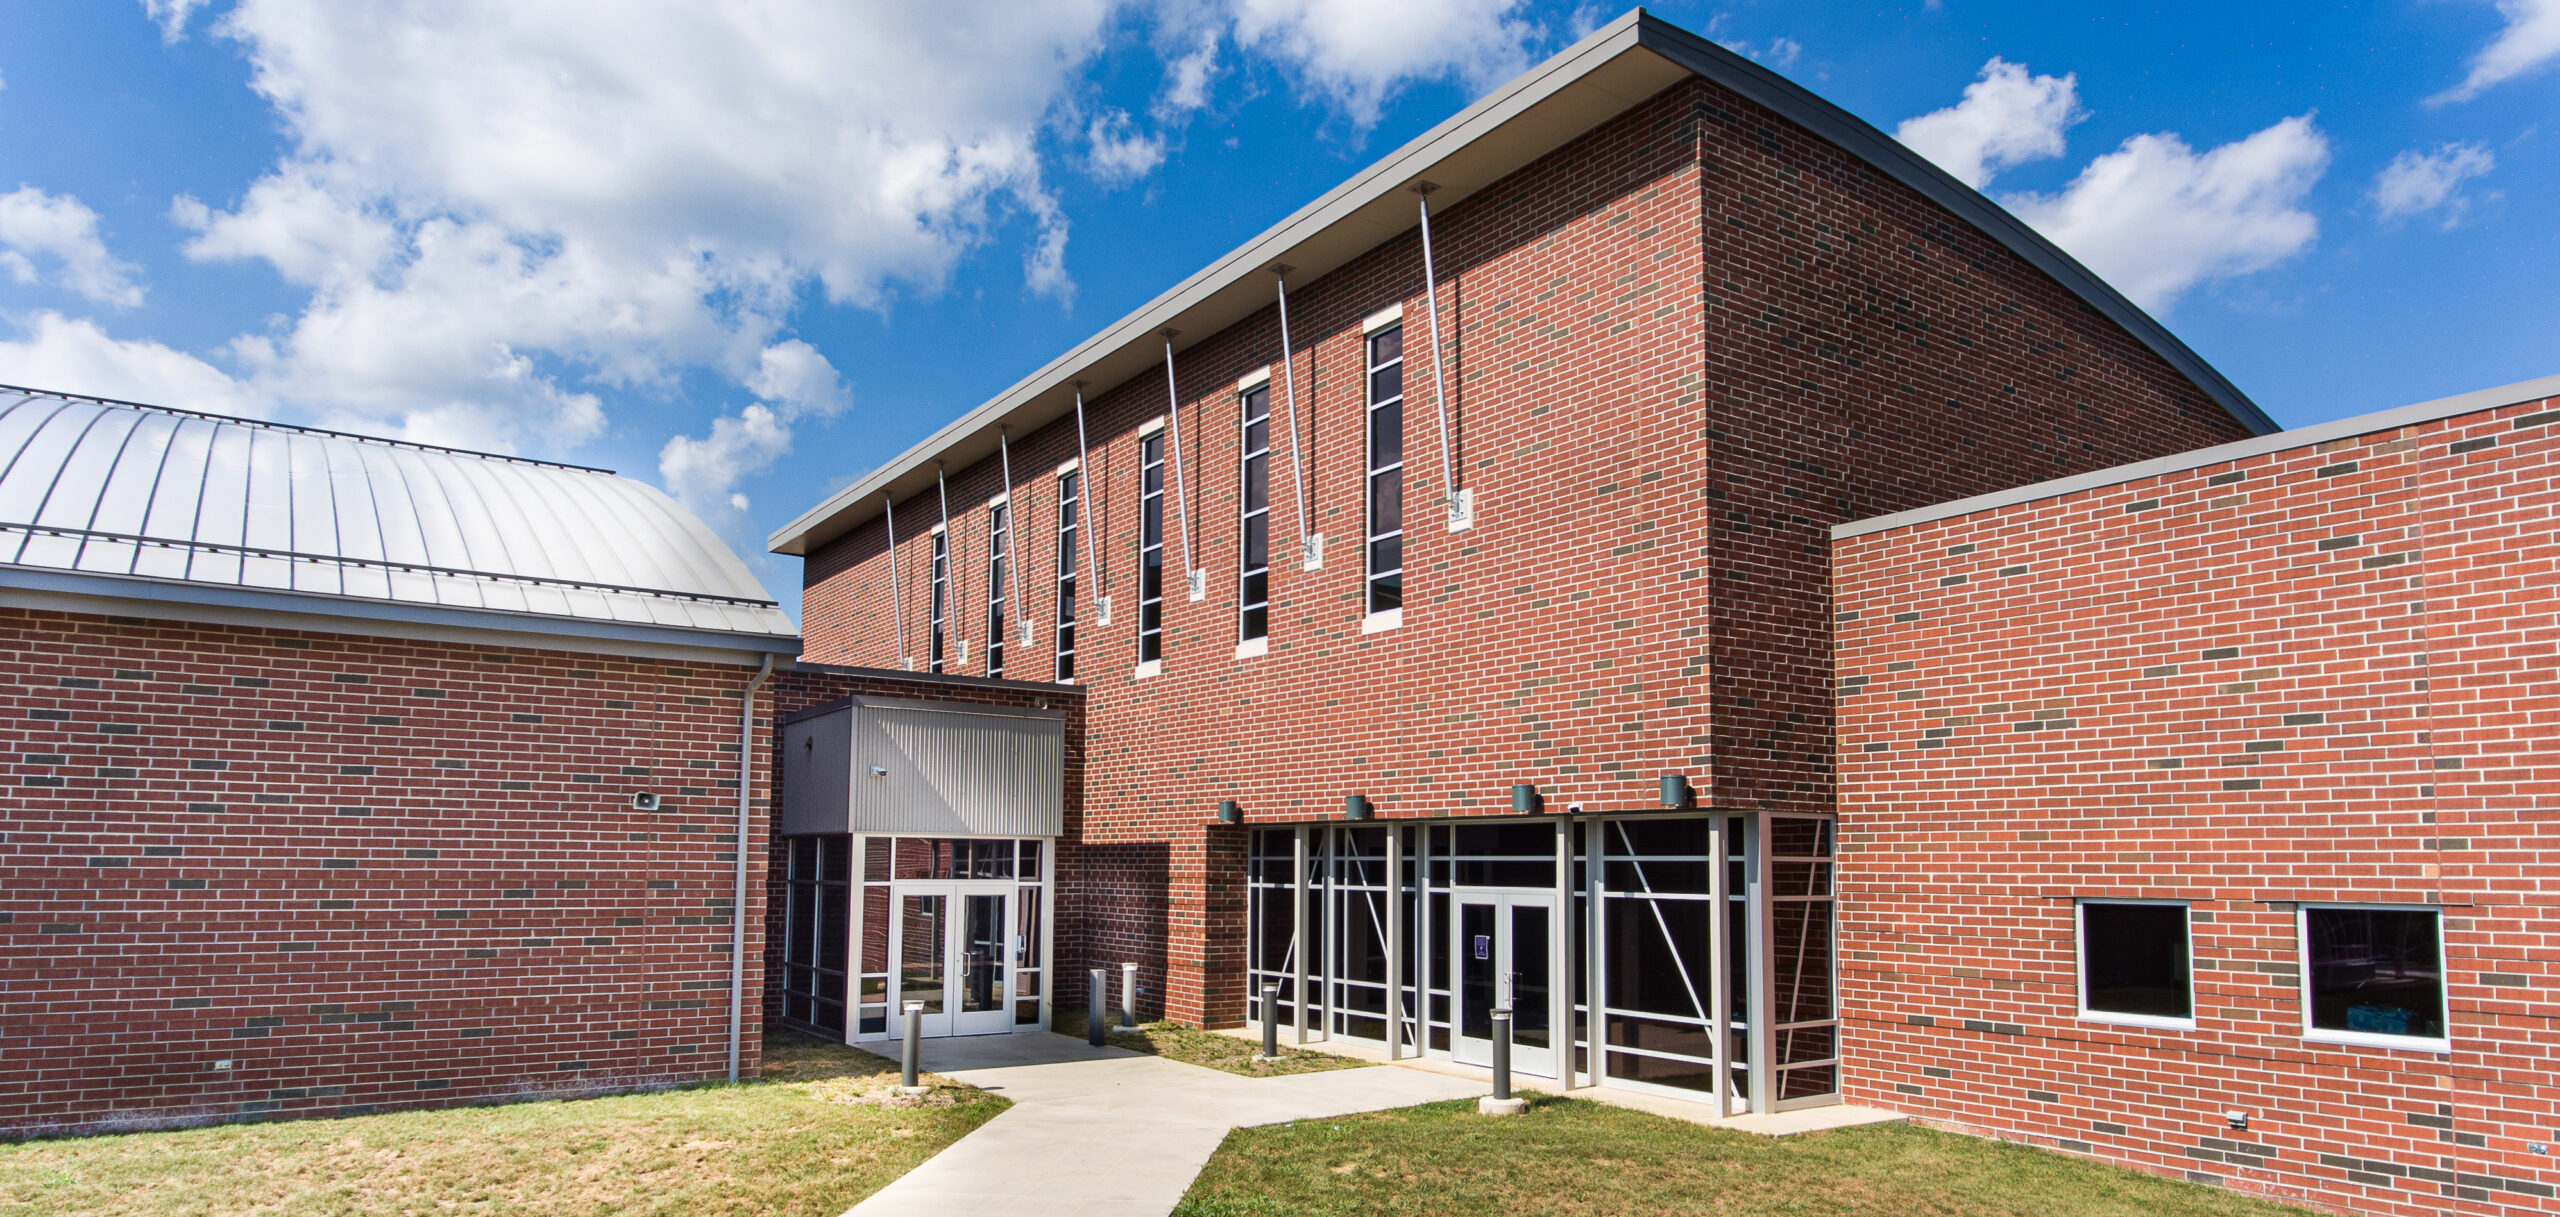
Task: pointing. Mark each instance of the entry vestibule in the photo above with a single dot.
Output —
(959, 925)
(1707, 972)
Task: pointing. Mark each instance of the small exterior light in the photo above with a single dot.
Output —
(1229, 813)
(1525, 798)
(1356, 807)
(1675, 791)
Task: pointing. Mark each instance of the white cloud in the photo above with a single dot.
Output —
(172, 16)
(1120, 152)
(61, 231)
(2007, 118)
(794, 374)
(2530, 40)
(1779, 52)
(502, 207)
(1188, 77)
(2416, 182)
(1357, 52)
(2155, 219)
(75, 356)
(704, 473)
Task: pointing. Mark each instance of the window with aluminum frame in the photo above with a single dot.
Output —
(815, 922)
(1385, 495)
(1070, 526)
(1151, 547)
(1253, 527)
(889, 859)
(938, 612)
(1801, 953)
(999, 553)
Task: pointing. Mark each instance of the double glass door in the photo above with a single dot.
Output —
(953, 945)
(1503, 944)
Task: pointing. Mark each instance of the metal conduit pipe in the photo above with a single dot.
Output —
(1181, 498)
(897, 598)
(957, 655)
(1085, 498)
(1019, 607)
(738, 902)
(1289, 380)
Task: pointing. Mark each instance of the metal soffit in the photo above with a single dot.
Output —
(1581, 87)
(100, 487)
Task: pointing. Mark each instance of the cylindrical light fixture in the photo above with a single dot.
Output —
(1675, 791)
(1525, 798)
(1356, 807)
(1229, 813)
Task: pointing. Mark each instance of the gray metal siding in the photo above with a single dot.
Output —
(816, 762)
(956, 772)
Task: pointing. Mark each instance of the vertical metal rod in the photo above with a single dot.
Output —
(1129, 997)
(897, 598)
(1298, 932)
(1289, 378)
(1181, 497)
(1560, 955)
(1439, 389)
(1720, 958)
(1086, 497)
(951, 599)
(909, 1053)
(1097, 1006)
(738, 902)
(1395, 942)
(1502, 1051)
(1020, 608)
(1763, 995)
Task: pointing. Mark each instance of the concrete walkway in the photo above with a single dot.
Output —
(1096, 1131)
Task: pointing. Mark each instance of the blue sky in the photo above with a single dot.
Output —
(749, 254)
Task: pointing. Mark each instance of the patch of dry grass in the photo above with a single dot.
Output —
(1193, 1046)
(1586, 1159)
(823, 1128)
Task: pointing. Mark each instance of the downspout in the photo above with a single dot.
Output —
(738, 905)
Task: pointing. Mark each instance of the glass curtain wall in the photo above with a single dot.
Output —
(963, 924)
(1686, 927)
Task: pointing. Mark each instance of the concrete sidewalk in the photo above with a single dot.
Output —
(1096, 1131)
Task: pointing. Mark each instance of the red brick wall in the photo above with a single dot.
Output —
(1681, 346)
(369, 873)
(2325, 674)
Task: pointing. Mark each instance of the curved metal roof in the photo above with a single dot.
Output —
(100, 487)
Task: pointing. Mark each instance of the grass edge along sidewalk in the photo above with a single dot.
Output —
(1193, 1046)
(1580, 1157)
(822, 1128)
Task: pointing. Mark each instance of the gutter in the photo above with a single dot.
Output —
(738, 905)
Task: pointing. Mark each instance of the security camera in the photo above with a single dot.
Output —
(1573, 809)
(644, 801)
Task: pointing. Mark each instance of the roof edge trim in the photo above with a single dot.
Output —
(2300, 437)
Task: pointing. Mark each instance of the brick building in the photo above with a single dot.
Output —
(2222, 784)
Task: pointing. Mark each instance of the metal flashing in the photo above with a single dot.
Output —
(2282, 441)
(1611, 70)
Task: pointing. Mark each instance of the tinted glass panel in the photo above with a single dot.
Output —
(2136, 959)
(2375, 971)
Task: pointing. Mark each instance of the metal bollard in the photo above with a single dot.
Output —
(1502, 1052)
(909, 1053)
(1097, 1008)
(1128, 997)
(1271, 1021)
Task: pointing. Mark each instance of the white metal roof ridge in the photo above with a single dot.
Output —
(1326, 220)
(121, 494)
(2281, 441)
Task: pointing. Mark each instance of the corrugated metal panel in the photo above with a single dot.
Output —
(958, 771)
(816, 760)
(116, 488)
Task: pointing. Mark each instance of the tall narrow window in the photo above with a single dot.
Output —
(1070, 506)
(1151, 548)
(999, 552)
(941, 611)
(1386, 470)
(1253, 578)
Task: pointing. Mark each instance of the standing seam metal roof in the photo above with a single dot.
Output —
(101, 487)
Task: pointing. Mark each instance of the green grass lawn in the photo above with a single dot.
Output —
(1191, 1045)
(1579, 1157)
(821, 1130)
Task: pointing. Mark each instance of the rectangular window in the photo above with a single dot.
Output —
(941, 609)
(1151, 548)
(2374, 975)
(1253, 579)
(1070, 505)
(2134, 963)
(815, 947)
(999, 551)
(1386, 470)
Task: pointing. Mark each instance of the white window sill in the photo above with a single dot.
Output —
(2359, 1039)
(2151, 1021)
(1253, 648)
(1379, 623)
(1152, 667)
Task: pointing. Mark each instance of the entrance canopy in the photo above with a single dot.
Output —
(922, 768)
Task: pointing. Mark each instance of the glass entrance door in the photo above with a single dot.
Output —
(1502, 944)
(953, 956)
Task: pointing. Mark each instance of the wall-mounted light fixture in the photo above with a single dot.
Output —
(1676, 792)
(879, 771)
(644, 801)
(1356, 807)
(1229, 813)
(1525, 798)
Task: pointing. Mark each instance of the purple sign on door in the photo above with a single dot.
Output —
(1484, 946)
